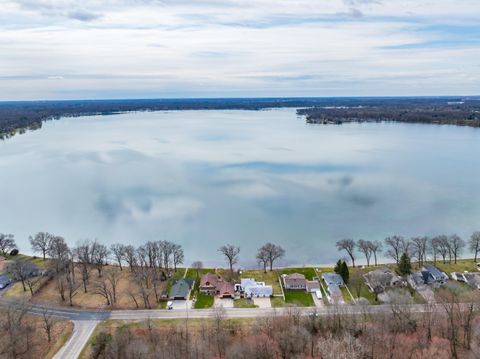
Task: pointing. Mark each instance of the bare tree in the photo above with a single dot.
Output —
(262, 259)
(271, 252)
(419, 248)
(443, 246)
(433, 248)
(376, 248)
(59, 252)
(113, 279)
(22, 270)
(118, 251)
(17, 331)
(178, 256)
(7, 243)
(99, 256)
(48, 322)
(474, 244)
(396, 247)
(131, 257)
(41, 243)
(349, 246)
(83, 254)
(100, 287)
(198, 266)
(366, 248)
(456, 246)
(231, 253)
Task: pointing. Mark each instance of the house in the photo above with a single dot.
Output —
(208, 284)
(4, 281)
(253, 289)
(180, 289)
(212, 284)
(334, 281)
(294, 281)
(225, 289)
(434, 274)
(472, 279)
(381, 279)
(428, 275)
(333, 278)
(313, 286)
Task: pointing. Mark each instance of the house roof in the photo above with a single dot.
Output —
(332, 278)
(209, 280)
(294, 276)
(181, 288)
(313, 284)
(225, 287)
(434, 272)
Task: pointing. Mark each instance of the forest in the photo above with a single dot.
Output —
(460, 112)
(17, 117)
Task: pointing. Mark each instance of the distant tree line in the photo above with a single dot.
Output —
(462, 112)
(17, 117)
(448, 248)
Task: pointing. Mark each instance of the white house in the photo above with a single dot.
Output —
(254, 289)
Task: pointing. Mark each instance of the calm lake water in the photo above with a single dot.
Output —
(206, 178)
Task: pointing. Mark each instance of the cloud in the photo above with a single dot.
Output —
(210, 48)
(83, 15)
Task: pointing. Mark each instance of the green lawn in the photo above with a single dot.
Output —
(203, 301)
(242, 303)
(277, 302)
(346, 295)
(299, 297)
(308, 272)
(462, 265)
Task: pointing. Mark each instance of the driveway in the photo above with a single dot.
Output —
(181, 304)
(262, 302)
(223, 302)
(318, 302)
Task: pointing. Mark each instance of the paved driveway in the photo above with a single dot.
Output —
(181, 304)
(226, 303)
(318, 302)
(262, 302)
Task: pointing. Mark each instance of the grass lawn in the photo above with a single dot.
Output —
(203, 301)
(242, 303)
(192, 273)
(346, 295)
(365, 293)
(277, 302)
(308, 272)
(462, 265)
(270, 278)
(299, 297)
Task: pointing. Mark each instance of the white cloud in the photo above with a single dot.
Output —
(124, 48)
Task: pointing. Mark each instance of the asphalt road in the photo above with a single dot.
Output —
(85, 321)
(82, 331)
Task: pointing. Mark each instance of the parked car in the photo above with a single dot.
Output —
(170, 305)
(318, 294)
(4, 281)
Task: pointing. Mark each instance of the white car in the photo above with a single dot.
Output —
(170, 305)
(318, 294)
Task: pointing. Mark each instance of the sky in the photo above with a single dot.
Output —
(94, 49)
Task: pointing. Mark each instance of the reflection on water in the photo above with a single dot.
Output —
(205, 178)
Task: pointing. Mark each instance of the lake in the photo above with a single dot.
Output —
(207, 178)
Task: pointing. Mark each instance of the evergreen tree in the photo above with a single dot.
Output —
(341, 269)
(345, 273)
(405, 266)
